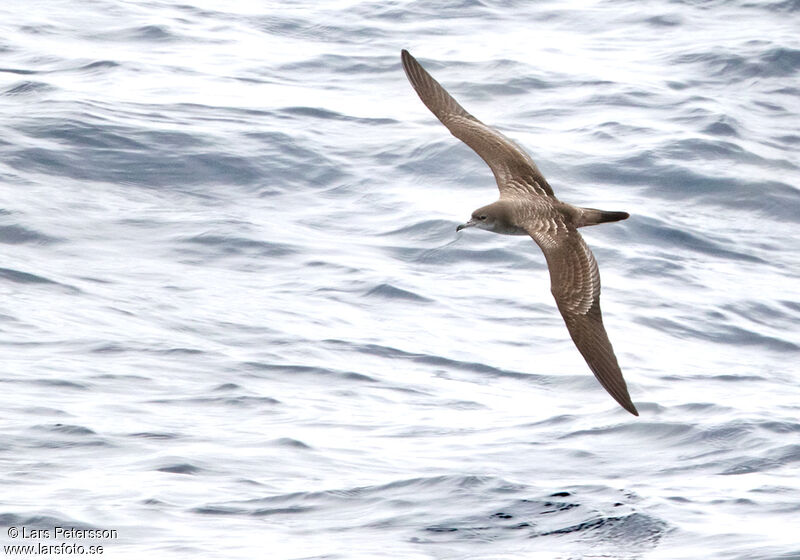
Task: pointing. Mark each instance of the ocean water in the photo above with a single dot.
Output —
(237, 322)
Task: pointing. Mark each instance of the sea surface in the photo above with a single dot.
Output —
(236, 320)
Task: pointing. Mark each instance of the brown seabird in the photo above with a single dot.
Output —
(527, 206)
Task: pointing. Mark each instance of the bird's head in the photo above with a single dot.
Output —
(495, 217)
(479, 219)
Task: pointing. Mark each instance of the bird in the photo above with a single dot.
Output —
(527, 206)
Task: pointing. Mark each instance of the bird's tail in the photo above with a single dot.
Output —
(592, 216)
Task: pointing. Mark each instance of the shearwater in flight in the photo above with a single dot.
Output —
(527, 206)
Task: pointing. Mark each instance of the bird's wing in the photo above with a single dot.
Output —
(575, 283)
(514, 170)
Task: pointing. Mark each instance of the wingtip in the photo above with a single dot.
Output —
(407, 60)
(621, 396)
(629, 406)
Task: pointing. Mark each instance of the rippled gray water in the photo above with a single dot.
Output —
(237, 321)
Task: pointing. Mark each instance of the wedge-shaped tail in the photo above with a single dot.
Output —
(592, 216)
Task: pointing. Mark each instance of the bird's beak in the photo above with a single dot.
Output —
(468, 224)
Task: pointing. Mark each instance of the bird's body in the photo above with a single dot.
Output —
(527, 206)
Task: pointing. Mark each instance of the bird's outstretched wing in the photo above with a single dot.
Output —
(514, 170)
(575, 283)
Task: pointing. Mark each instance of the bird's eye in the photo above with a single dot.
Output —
(481, 217)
